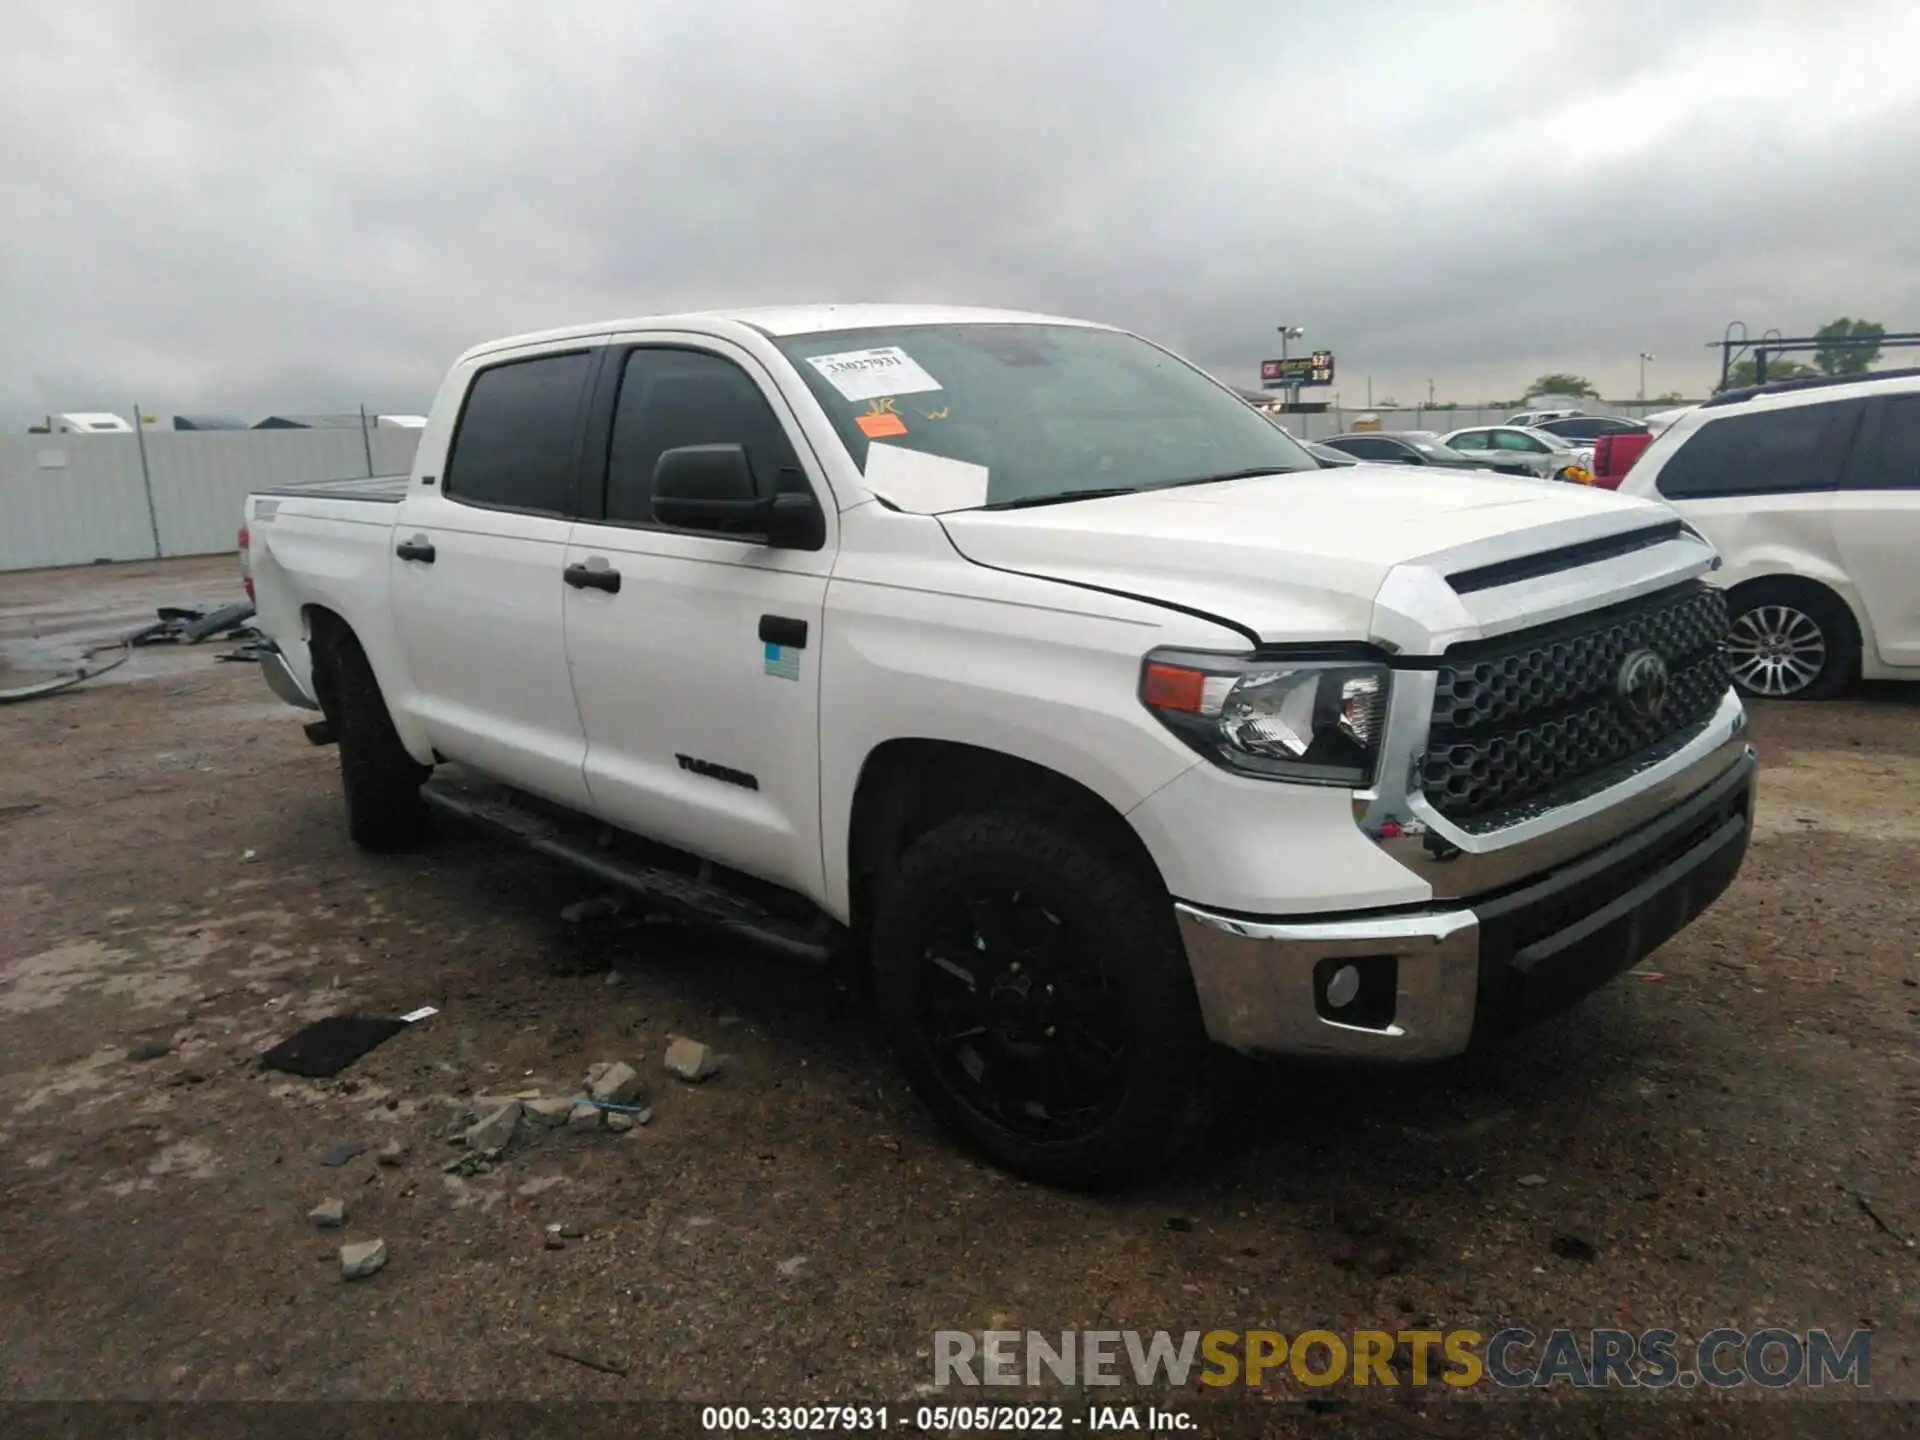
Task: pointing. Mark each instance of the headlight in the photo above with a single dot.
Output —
(1317, 722)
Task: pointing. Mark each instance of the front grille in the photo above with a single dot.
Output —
(1530, 721)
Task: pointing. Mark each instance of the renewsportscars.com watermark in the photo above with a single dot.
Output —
(1511, 1359)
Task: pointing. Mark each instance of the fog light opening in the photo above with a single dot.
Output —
(1359, 991)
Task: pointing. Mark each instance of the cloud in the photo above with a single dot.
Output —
(239, 207)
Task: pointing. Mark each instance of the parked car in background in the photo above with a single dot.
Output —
(1545, 455)
(1019, 663)
(1327, 455)
(1418, 447)
(1810, 491)
(1613, 456)
(1585, 429)
(1534, 417)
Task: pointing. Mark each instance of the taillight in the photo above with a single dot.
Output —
(246, 562)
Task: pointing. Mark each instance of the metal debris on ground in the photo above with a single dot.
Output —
(67, 681)
(606, 1364)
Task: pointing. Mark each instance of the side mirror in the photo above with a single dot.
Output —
(713, 488)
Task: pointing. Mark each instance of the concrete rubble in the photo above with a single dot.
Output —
(690, 1060)
(362, 1258)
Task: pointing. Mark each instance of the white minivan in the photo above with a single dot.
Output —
(1810, 491)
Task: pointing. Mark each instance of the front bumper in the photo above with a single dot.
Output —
(1454, 973)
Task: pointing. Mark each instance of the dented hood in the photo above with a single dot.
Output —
(1296, 556)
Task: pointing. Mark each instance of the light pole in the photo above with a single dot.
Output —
(1289, 332)
(1644, 357)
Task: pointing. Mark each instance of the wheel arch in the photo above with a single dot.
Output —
(907, 787)
(322, 626)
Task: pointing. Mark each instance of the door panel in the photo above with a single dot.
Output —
(481, 624)
(1876, 524)
(699, 730)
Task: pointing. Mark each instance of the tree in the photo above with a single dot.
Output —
(1779, 367)
(1558, 384)
(1847, 359)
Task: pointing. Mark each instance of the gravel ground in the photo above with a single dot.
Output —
(1726, 1138)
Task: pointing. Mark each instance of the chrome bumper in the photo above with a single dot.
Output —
(1258, 993)
(1261, 983)
(280, 678)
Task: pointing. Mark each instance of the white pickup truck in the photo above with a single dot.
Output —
(1024, 662)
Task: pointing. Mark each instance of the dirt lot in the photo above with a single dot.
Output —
(1732, 1132)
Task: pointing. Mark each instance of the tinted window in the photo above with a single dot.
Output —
(1589, 427)
(1889, 457)
(670, 398)
(1367, 448)
(1773, 452)
(1472, 440)
(514, 445)
(1514, 440)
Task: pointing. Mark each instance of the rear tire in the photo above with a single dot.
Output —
(1036, 991)
(382, 781)
(1791, 640)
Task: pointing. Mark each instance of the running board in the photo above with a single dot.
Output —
(687, 897)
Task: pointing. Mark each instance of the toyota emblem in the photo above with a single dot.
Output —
(1642, 685)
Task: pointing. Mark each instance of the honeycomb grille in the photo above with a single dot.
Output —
(1531, 721)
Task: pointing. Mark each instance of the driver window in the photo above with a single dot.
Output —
(670, 398)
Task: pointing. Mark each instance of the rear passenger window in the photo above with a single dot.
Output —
(1771, 453)
(513, 449)
(1889, 457)
(671, 398)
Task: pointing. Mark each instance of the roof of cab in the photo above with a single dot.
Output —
(790, 320)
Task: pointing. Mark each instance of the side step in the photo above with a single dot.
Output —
(700, 902)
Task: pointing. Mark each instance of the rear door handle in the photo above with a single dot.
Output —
(418, 548)
(583, 577)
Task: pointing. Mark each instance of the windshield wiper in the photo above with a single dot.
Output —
(1252, 473)
(1026, 502)
(1101, 492)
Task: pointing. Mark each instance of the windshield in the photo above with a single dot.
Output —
(1550, 440)
(1044, 410)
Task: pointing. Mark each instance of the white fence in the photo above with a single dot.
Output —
(75, 499)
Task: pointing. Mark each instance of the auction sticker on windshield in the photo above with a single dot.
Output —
(868, 374)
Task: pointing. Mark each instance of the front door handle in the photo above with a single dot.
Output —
(783, 630)
(584, 577)
(418, 548)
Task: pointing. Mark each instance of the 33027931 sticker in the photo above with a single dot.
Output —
(865, 374)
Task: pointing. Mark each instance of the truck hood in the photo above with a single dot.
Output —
(1302, 557)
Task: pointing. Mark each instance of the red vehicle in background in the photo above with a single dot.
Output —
(1613, 456)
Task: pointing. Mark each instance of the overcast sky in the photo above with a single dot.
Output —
(236, 207)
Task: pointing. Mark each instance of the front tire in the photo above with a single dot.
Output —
(1789, 640)
(1037, 993)
(382, 781)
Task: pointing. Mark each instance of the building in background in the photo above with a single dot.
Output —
(87, 422)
